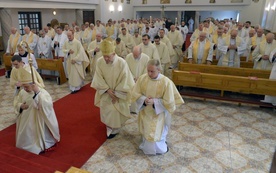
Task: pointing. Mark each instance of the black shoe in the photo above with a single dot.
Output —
(75, 91)
(111, 136)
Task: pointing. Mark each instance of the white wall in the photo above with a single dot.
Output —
(104, 14)
(194, 3)
(218, 14)
(253, 13)
(248, 9)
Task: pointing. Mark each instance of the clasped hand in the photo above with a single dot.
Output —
(112, 95)
(24, 106)
(149, 101)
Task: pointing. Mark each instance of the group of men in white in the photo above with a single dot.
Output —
(142, 49)
(227, 41)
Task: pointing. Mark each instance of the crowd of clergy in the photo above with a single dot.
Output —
(225, 40)
(139, 54)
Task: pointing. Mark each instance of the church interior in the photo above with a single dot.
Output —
(207, 134)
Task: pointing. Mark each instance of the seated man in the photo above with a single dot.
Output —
(36, 125)
(200, 51)
(156, 97)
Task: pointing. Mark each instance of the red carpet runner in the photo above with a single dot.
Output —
(81, 131)
(2, 72)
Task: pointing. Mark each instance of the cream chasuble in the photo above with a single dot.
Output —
(116, 76)
(151, 121)
(176, 39)
(36, 127)
(76, 72)
(137, 66)
(150, 50)
(263, 48)
(14, 39)
(94, 56)
(231, 58)
(200, 52)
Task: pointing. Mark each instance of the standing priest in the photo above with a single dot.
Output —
(113, 82)
(76, 62)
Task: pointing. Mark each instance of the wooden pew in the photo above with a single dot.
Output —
(243, 63)
(248, 85)
(224, 70)
(241, 84)
(43, 64)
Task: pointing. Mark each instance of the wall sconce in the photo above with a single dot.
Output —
(54, 13)
(111, 8)
(120, 8)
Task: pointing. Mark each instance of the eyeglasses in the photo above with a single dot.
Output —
(144, 39)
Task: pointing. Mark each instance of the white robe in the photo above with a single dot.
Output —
(115, 76)
(36, 127)
(154, 122)
(272, 99)
(44, 47)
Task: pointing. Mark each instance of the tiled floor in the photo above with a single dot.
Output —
(205, 136)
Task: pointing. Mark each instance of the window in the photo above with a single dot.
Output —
(31, 19)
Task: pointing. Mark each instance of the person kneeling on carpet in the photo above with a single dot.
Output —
(37, 128)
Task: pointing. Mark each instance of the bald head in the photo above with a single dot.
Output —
(234, 34)
(137, 52)
(172, 28)
(202, 36)
(70, 36)
(13, 30)
(269, 37)
(27, 30)
(99, 37)
(260, 32)
(252, 32)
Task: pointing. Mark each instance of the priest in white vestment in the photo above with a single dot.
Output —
(76, 62)
(37, 128)
(164, 55)
(120, 48)
(13, 41)
(57, 45)
(31, 39)
(272, 59)
(94, 53)
(17, 63)
(127, 39)
(262, 51)
(25, 55)
(113, 82)
(231, 49)
(177, 40)
(156, 97)
(148, 48)
(137, 62)
(200, 51)
(44, 49)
